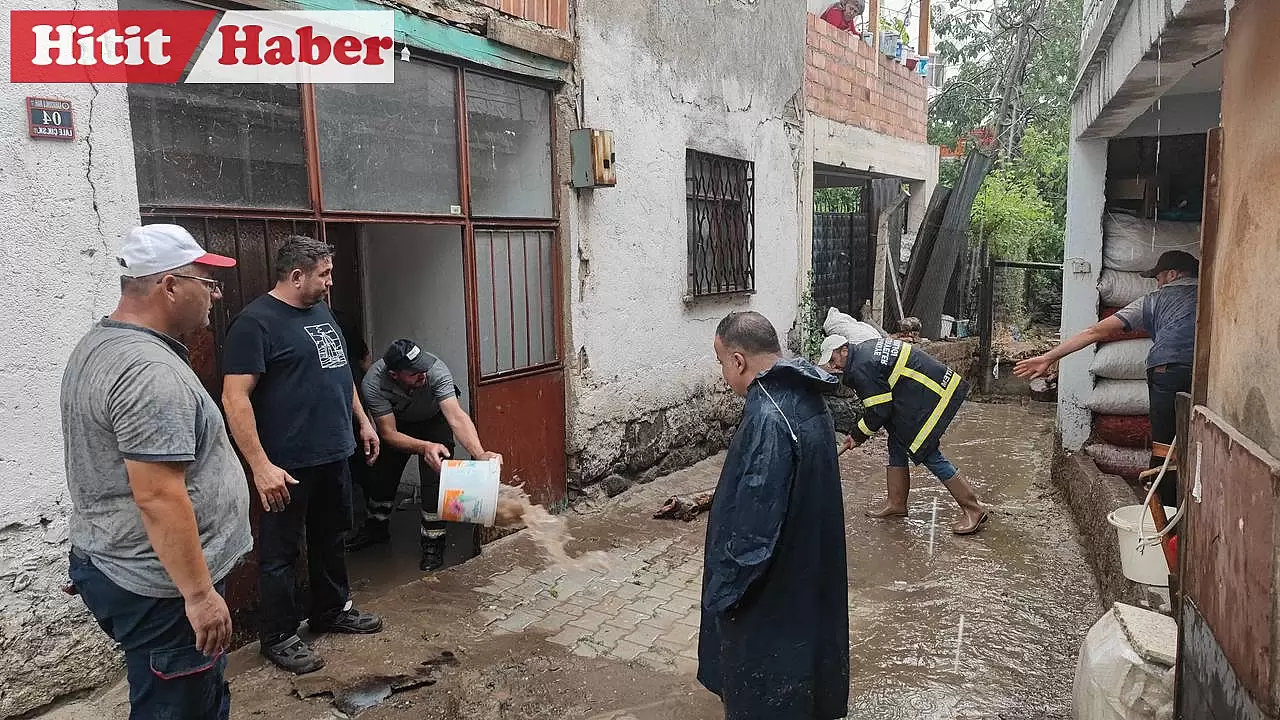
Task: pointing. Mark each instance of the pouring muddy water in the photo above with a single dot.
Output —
(471, 492)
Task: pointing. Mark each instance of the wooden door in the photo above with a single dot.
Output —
(518, 402)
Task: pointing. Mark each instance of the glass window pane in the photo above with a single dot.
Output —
(391, 148)
(509, 135)
(550, 346)
(484, 295)
(502, 301)
(516, 299)
(219, 145)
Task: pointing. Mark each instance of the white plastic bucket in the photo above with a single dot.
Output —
(469, 491)
(1146, 565)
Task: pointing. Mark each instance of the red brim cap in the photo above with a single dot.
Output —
(220, 261)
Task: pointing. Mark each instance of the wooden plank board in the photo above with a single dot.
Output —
(953, 236)
(926, 239)
(540, 43)
(1230, 543)
(1208, 266)
(421, 32)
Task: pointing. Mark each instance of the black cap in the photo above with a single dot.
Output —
(404, 354)
(1175, 260)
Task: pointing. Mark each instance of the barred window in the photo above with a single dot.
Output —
(720, 204)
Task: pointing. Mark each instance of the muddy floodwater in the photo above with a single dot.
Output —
(982, 627)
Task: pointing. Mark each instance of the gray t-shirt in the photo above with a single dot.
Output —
(128, 393)
(1169, 316)
(383, 396)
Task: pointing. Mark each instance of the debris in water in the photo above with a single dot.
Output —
(367, 692)
(686, 507)
(547, 531)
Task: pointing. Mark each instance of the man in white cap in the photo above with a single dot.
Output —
(914, 398)
(160, 504)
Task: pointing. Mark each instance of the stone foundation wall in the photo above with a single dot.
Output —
(616, 454)
(1091, 495)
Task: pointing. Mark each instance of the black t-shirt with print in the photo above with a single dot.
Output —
(302, 401)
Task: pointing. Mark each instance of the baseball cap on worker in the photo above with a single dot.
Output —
(1174, 260)
(151, 249)
(830, 345)
(404, 354)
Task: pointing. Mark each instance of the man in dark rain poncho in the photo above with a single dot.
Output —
(774, 641)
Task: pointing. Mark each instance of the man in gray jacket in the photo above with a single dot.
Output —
(1169, 315)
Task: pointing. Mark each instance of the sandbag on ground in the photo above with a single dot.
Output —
(1128, 463)
(1125, 360)
(1129, 245)
(1117, 289)
(1119, 397)
(1131, 431)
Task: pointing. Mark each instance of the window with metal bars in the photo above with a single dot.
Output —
(720, 204)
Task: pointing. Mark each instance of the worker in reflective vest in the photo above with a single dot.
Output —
(914, 398)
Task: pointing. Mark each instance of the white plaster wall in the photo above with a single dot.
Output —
(715, 76)
(57, 276)
(419, 293)
(1086, 196)
(1123, 85)
(857, 148)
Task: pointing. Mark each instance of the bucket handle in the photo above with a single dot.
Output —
(1145, 542)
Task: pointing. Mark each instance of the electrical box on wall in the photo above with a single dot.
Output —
(592, 157)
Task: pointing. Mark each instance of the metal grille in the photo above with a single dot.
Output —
(720, 194)
(843, 259)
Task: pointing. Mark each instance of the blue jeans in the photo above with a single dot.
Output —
(937, 463)
(169, 678)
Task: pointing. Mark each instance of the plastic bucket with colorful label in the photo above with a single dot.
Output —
(469, 491)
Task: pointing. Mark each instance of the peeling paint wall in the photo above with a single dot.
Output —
(1086, 190)
(1241, 388)
(720, 77)
(65, 207)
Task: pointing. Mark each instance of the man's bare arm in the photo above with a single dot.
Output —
(272, 482)
(160, 491)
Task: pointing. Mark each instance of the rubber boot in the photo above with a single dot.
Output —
(974, 514)
(898, 486)
(373, 532)
(432, 554)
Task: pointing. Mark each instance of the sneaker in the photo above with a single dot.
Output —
(432, 555)
(370, 534)
(293, 655)
(350, 621)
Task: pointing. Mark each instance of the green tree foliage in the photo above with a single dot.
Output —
(976, 39)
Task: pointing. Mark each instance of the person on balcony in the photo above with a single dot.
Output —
(845, 14)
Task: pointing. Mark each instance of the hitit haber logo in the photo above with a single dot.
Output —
(157, 46)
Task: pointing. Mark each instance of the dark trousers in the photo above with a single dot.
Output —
(383, 479)
(319, 507)
(168, 676)
(1163, 385)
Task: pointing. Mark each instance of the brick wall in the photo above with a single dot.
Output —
(549, 13)
(848, 81)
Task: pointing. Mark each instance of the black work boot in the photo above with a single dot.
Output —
(292, 654)
(373, 532)
(432, 554)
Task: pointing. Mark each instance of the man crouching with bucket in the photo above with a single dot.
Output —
(913, 397)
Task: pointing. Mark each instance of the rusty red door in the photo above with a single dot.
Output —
(519, 402)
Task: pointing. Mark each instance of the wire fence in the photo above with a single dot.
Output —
(1019, 312)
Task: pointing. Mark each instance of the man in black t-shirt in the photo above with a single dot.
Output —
(290, 400)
